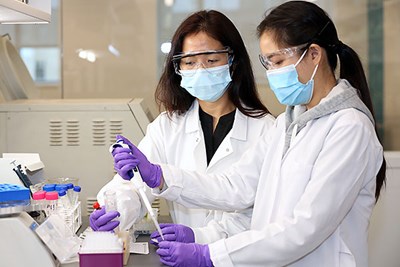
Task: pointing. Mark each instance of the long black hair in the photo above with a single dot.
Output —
(298, 22)
(242, 90)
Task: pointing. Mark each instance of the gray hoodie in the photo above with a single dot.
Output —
(342, 96)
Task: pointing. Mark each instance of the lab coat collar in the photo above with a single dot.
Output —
(342, 96)
(239, 128)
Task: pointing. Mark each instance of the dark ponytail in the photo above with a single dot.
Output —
(298, 22)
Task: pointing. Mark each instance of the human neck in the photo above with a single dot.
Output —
(218, 108)
(323, 84)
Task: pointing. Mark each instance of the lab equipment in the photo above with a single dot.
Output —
(101, 249)
(64, 201)
(38, 198)
(14, 195)
(49, 187)
(38, 204)
(59, 238)
(110, 201)
(61, 187)
(17, 235)
(70, 189)
(173, 232)
(75, 195)
(140, 186)
(52, 202)
(22, 176)
(67, 131)
(191, 254)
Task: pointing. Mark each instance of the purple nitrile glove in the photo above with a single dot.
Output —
(173, 232)
(100, 220)
(184, 254)
(126, 159)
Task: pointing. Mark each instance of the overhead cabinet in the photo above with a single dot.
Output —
(28, 11)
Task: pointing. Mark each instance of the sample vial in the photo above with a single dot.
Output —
(70, 189)
(38, 199)
(110, 203)
(110, 200)
(52, 199)
(39, 204)
(64, 201)
(75, 195)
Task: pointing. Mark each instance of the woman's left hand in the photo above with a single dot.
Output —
(184, 254)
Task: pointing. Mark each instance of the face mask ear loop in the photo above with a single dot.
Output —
(302, 56)
(315, 71)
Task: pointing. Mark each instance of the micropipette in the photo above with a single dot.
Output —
(138, 183)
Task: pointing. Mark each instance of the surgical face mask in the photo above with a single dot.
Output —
(286, 86)
(206, 84)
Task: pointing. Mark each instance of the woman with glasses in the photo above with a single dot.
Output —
(313, 179)
(212, 116)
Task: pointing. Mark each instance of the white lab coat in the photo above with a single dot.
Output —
(179, 141)
(311, 206)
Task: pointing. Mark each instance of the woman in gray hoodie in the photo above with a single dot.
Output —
(313, 179)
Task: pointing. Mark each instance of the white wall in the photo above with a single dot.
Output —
(94, 25)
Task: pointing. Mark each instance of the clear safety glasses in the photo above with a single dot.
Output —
(275, 59)
(186, 64)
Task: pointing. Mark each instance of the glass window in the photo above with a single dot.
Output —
(43, 63)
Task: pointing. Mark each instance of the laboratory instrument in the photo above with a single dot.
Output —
(68, 132)
(101, 249)
(138, 183)
(18, 240)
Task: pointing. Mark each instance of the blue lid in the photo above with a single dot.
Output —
(60, 187)
(62, 193)
(12, 192)
(70, 185)
(49, 187)
(77, 188)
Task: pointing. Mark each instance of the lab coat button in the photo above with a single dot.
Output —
(197, 139)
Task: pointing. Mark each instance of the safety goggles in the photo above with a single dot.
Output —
(273, 60)
(186, 63)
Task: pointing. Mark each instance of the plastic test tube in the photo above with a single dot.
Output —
(52, 199)
(110, 202)
(39, 198)
(75, 195)
(64, 201)
(70, 188)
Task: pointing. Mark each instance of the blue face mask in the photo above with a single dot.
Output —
(206, 84)
(286, 86)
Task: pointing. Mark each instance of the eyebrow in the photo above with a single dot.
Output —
(273, 54)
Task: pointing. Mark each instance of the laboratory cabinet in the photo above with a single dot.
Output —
(32, 11)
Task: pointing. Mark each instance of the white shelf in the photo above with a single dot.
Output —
(17, 12)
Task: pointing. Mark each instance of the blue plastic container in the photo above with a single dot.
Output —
(14, 195)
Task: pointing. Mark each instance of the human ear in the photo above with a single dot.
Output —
(315, 52)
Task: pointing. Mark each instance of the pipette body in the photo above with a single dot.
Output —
(138, 183)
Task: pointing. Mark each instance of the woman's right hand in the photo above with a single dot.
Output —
(125, 159)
